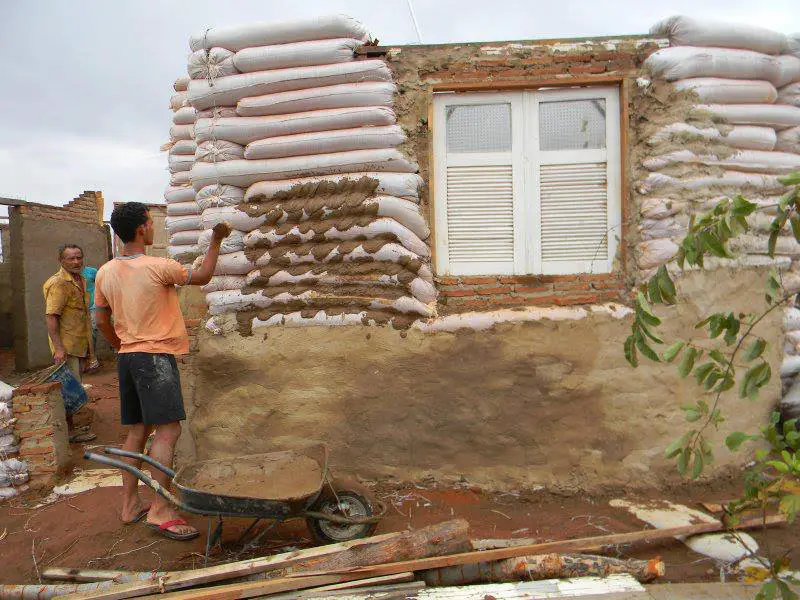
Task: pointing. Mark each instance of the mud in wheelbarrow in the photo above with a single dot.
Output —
(276, 486)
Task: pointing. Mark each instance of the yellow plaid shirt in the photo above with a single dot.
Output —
(70, 302)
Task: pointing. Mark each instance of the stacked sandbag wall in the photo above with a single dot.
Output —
(297, 150)
(721, 114)
(13, 471)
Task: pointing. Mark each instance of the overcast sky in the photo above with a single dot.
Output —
(84, 103)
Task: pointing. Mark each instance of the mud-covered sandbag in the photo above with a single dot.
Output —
(789, 70)
(219, 195)
(660, 208)
(294, 255)
(181, 132)
(686, 31)
(216, 62)
(218, 112)
(735, 180)
(220, 283)
(715, 90)
(233, 243)
(778, 116)
(791, 319)
(323, 142)
(243, 173)
(788, 140)
(181, 83)
(182, 253)
(182, 193)
(181, 178)
(686, 62)
(235, 263)
(365, 93)
(218, 151)
(179, 100)
(267, 34)
(744, 137)
(654, 253)
(671, 227)
(231, 215)
(227, 91)
(402, 185)
(297, 54)
(183, 147)
(177, 209)
(745, 160)
(244, 130)
(182, 223)
(180, 162)
(789, 94)
(183, 238)
(185, 115)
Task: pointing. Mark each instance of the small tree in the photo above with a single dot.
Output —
(735, 361)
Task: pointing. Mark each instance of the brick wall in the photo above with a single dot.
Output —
(86, 208)
(6, 303)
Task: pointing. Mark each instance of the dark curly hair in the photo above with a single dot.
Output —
(126, 218)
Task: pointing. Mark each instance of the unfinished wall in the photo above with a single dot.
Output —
(37, 231)
(6, 310)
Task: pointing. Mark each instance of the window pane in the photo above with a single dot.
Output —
(479, 128)
(572, 124)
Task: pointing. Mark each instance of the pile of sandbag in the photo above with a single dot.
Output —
(296, 148)
(13, 472)
(733, 127)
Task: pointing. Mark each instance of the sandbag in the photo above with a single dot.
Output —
(185, 115)
(729, 179)
(224, 282)
(216, 62)
(233, 243)
(243, 130)
(323, 142)
(218, 150)
(183, 147)
(789, 70)
(654, 253)
(179, 100)
(182, 252)
(219, 195)
(217, 112)
(181, 178)
(789, 94)
(182, 223)
(182, 193)
(243, 173)
(789, 140)
(235, 263)
(651, 229)
(685, 62)
(181, 83)
(293, 255)
(402, 185)
(660, 208)
(181, 132)
(745, 160)
(365, 93)
(778, 116)
(183, 238)
(227, 91)
(234, 217)
(729, 91)
(297, 54)
(743, 137)
(686, 31)
(180, 162)
(267, 34)
(177, 209)
(791, 319)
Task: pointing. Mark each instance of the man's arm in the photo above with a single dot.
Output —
(102, 317)
(204, 274)
(59, 354)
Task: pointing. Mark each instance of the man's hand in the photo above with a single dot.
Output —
(220, 231)
(59, 355)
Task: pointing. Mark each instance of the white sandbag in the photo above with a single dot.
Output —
(243, 130)
(789, 140)
(685, 62)
(323, 232)
(181, 252)
(231, 215)
(791, 319)
(744, 160)
(757, 244)
(181, 83)
(323, 142)
(243, 173)
(660, 208)
(181, 132)
(744, 137)
(185, 115)
(297, 54)
(219, 195)
(654, 253)
(729, 179)
(266, 34)
(789, 94)
(179, 100)
(227, 91)
(183, 147)
(729, 91)
(778, 116)
(178, 209)
(183, 193)
(394, 253)
(402, 185)
(218, 151)
(6, 391)
(181, 178)
(182, 238)
(182, 223)
(365, 93)
(686, 31)
(216, 62)
(220, 283)
(224, 112)
(235, 263)
(180, 162)
(789, 70)
(233, 243)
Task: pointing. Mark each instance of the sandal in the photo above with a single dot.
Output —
(139, 516)
(79, 438)
(163, 529)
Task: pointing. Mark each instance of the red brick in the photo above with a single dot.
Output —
(509, 300)
(28, 450)
(542, 300)
(525, 279)
(572, 286)
(609, 55)
(478, 280)
(550, 71)
(447, 280)
(608, 285)
(599, 277)
(572, 299)
(537, 61)
(44, 388)
(532, 289)
(474, 304)
(46, 469)
(493, 291)
(45, 431)
(587, 69)
(569, 58)
(457, 293)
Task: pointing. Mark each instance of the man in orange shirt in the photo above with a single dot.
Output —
(148, 332)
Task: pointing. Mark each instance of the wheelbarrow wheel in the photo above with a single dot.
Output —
(350, 499)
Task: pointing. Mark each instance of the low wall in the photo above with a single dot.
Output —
(6, 310)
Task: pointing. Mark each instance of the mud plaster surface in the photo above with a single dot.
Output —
(548, 402)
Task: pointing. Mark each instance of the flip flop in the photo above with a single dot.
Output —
(141, 515)
(79, 438)
(163, 529)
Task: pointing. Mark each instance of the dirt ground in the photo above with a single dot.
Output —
(84, 530)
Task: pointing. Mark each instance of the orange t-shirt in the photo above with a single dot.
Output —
(140, 291)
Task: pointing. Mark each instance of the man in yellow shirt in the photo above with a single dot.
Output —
(67, 316)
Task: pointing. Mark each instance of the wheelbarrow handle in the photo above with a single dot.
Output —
(140, 475)
(137, 456)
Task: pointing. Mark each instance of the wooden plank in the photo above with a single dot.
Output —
(12, 201)
(91, 575)
(531, 83)
(626, 201)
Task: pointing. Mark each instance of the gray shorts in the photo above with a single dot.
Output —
(149, 389)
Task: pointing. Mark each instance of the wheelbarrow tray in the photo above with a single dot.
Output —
(196, 483)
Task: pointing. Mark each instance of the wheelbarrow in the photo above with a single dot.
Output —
(277, 486)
